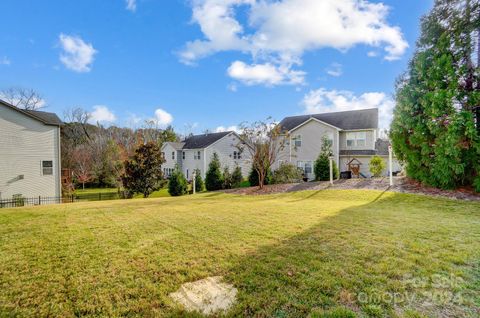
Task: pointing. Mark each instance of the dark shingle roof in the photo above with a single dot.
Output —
(44, 117)
(202, 141)
(347, 120)
(47, 118)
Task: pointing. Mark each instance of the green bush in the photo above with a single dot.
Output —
(237, 177)
(199, 184)
(476, 184)
(214, 177)
(287, 173)
(321, 168)
(377, 166)
(253, 177)
(177, 184)
(227, 179)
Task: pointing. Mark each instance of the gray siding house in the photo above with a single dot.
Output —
(29, 153)
(352, 134)
(196, 152)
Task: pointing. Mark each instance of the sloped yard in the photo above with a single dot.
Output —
(373, 253)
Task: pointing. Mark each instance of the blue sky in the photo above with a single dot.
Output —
(208, 64)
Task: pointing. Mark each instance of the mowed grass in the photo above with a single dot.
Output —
(289, 255)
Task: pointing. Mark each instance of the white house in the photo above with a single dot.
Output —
(197, 151)
(353, 136)
(29, 153)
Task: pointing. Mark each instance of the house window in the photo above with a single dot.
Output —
(329, 137)
(173, 155)
(183, 155)
(187, 174)
(358, 139)
(196, 155)
(361, 139)
(297, 141)
(47, 168)
(305, 166)
(237, 155)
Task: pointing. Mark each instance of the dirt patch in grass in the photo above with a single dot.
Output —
(207, 296)
(401, 184)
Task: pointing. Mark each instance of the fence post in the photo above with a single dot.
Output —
(39, 200)
(72, 198)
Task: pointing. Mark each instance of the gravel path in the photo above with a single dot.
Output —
(401, 184)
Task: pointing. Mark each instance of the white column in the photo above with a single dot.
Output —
(193, 181)
(390, 165)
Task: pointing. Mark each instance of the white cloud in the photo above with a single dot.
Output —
(4, 60)
(372, 54)
(101, 114)
(323, 100)
(131, 5)
(280, 32)
(162, 117)
(77, 55)
(267, 74)
(335, 70)
(229, 128)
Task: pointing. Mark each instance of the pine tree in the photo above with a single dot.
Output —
(199, 184)
(237, 177)
(214, 177)
(433, 129)
(177, 183)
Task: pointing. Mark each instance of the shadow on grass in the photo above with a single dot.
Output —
(359, 259)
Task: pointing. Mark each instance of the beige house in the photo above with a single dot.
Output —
(353, 136)
(29, 153)
(196, 152)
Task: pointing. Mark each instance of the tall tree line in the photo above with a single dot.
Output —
(96, 154)
(435, 129)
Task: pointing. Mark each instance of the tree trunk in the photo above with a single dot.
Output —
(83, 185)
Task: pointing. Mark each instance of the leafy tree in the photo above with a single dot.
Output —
(143, 173)
(433, 130)
(377, 166)
(199, 184)
(253, 178)
(321, 166)
(177, 183)
(214, 177)
(237, 177)
(263, 140)
(287, 173)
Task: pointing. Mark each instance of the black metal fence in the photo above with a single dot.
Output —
(21, 201)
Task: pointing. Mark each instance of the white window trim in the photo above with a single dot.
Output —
(296, 138)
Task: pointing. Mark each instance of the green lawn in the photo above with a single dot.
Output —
(289, 255)
(95, 191)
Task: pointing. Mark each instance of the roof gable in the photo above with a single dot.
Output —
(44, 117)
(347, 120)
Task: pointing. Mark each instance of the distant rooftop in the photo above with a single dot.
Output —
(346, 120)
(199, 141)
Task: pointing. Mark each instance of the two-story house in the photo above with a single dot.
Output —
(29, 153)
(196, 152)
(352, 135)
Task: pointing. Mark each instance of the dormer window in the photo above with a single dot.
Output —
(357, 139)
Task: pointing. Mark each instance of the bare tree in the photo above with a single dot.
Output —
(263, 140)
(83, 164)
(24, 98)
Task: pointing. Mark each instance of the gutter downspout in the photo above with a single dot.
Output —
(59, 168)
